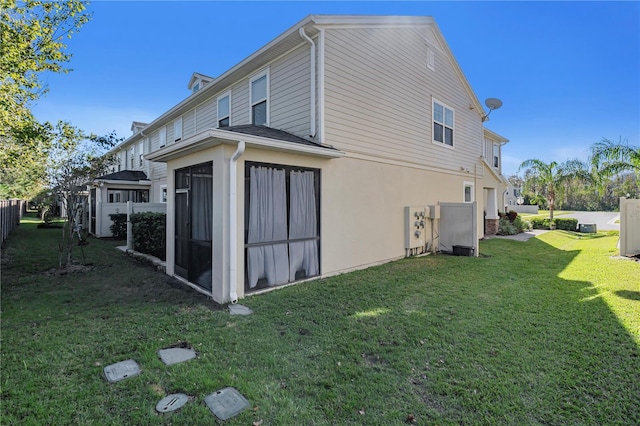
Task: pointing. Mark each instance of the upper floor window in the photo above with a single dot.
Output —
(195, 87)
(140, 153)
(259, 88)
(442, 123)
(132, 154)
(496, 155)
(177, 129)
(224, 110)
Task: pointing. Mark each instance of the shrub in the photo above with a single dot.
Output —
(149, 231)
(521, 224)
(540, 223)
(505, 227)
(119, 226)
(566, 224)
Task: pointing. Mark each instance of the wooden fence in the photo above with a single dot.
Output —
(10, 215)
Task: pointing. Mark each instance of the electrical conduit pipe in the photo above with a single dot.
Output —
(233, 222)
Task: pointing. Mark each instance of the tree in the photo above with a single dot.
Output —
(76, 160)
(23, 157)
(550, 177)
(32, 35)
(616, 157)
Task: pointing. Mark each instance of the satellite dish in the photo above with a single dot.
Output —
(493, 103)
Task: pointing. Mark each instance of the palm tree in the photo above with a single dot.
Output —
(551, 176)
(616, 157)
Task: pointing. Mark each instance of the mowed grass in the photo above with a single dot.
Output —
(539, 332)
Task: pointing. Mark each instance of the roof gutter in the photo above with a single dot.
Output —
(312, 124)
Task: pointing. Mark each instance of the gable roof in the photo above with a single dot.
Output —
(196, 76)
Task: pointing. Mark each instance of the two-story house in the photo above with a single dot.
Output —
(319, 154)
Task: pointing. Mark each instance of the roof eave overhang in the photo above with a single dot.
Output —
(495, 174)
(494, 136)
(213, 137)
(123, 182)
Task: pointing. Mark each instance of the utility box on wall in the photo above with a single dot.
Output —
(415, 227)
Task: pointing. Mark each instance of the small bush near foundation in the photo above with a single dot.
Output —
(505, 227)
(119, 226)
(149, 230)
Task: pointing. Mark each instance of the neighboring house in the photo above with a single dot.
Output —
(511, 197)
(132, 178)
(345, 142)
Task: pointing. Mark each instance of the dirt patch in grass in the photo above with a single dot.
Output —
(71, 269)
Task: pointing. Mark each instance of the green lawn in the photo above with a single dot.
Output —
(539, 332)
(543, 214)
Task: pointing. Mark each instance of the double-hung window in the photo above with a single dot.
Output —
(496, 155)
(224, 110)
(259, 88)
(443, 118)
(132, 154)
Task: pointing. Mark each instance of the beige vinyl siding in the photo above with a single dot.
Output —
(170, 138)
(206, 115)
(291, 92)
(156, 170)
(188, 124)
(378, 97)
(240, 103)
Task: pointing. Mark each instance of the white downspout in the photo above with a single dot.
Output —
(313, 81)
(233, 222)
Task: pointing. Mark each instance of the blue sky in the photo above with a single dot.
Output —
(568, 73)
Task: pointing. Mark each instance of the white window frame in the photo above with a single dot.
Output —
(466, 185)
(496, 155)
(132, 154)
(221, 97)
(177, 129)
(252, 103)
(162, 134)
(140, 154)
(445, 107)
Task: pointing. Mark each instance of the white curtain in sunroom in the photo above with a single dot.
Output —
(303, 255)
(267, 222)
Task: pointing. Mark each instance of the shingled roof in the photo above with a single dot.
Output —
(271, 133)
(128, 175)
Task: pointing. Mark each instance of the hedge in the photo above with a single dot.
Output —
(119, 226)
(149, 233)
(566, 224)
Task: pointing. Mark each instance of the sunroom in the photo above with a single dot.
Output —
(243, 209)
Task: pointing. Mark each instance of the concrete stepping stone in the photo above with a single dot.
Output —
(226, 403)
(172, 356)
(121, 370)
(239, 310)
(171, 402)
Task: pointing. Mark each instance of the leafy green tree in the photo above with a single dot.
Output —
(32, 42)
(550, 177)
